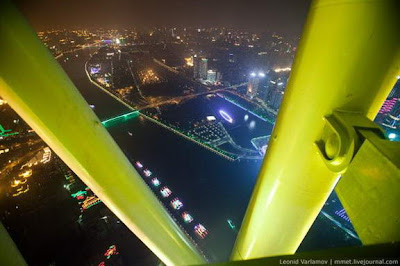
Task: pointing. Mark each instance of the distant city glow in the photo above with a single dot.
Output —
(226, 116)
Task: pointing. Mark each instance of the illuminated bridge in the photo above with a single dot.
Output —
(120, 118)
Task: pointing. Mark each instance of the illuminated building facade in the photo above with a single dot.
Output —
(200, 65)
(213, 76)
(252, 87)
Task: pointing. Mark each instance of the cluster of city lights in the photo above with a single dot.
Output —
(342, 214)
(17, 182)
(388, 106)
(175, 203)
(149, 77)
(200, 230)
(4, 151)
(90, 202)
(20, 185)
(26, 174)
(6, 132)
(80, 195)
(191, 137)
(46, 155)
(84, 199)
(21, 190)
(259, 74)
(112, 250)
(189, 61)
(285, 69)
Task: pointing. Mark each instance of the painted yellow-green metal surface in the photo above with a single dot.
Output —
(348, 59)
(9, 253)
(37, 88)
(370, 191)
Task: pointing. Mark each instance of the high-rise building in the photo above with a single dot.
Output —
(200, 67)
(252, 87)
(254, 84)
(276, 98)
(212, 76)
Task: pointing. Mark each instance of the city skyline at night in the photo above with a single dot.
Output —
(196, 126)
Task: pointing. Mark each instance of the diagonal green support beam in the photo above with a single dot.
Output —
(348, 59)
(37, 88)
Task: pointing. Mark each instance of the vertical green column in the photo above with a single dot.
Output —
(37, 88)
(348, 59)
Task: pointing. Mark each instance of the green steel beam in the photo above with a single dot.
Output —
(37, 88)
(348, 59)
(370, 190)
(9, 253)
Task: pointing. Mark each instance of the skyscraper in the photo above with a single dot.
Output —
(200, 67)
(212, 76)
(252, 87)
(276, 98)
(254, 83)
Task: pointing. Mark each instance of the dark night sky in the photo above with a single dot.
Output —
(285, 16)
